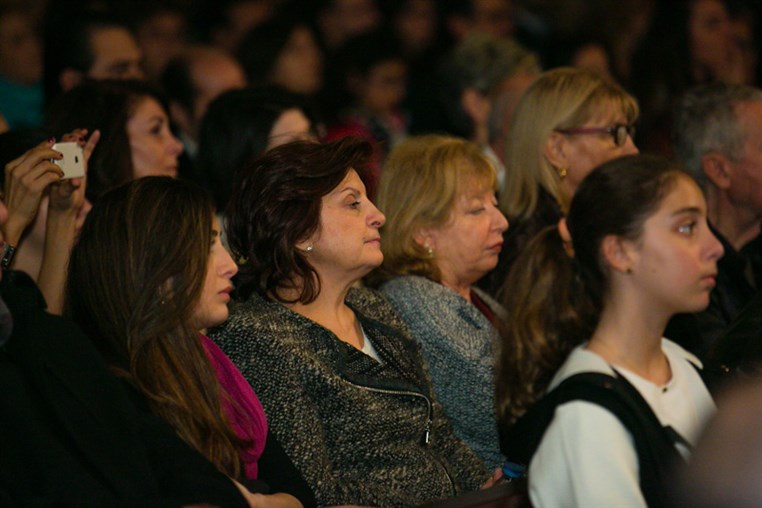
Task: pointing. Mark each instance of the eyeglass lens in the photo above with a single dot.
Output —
(621, 132)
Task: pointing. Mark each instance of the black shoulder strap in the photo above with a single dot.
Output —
(654, 443)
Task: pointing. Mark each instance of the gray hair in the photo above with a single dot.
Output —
(483, 62)
(706, 121)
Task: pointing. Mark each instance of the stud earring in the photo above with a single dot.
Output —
(562, 173)
(309, 248)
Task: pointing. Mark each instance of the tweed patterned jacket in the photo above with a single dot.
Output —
(360, 431)
(458, 343)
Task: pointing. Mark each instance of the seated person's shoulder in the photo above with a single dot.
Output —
(372, 304)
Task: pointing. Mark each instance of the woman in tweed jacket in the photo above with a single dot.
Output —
(342, 383)
(445, 233)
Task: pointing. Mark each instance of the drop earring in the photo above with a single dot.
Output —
(562, 173)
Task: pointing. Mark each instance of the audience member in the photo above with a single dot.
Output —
(525, 70)
(588, 305)
(341, 380)
(135, 137)
(241, 125)
(702, 49)
(282, 51)
(566, 123)
(143, 309)
(443, 234)
(192, 80)
(415, 26)
(46, 211)
(716, 137)
(473, 78)
(370, 87)
(86, 44)
(70, 435)
(161, 31)
(21, 99)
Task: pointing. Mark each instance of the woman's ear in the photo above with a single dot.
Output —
(424, 238)
(618, 253)
(554, 150)
(307, 244)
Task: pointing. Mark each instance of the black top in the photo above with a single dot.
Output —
(515, 239)
(69, 434)
(739, 277)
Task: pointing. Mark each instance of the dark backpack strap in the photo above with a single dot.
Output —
(654, 444)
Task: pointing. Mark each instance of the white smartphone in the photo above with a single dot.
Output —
(73, 162)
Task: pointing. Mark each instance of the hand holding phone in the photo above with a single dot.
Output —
(73, 162)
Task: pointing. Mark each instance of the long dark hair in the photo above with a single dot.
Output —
(276, 203)
(236, 130)
(135, 279)
(555, 291)
(106, 105)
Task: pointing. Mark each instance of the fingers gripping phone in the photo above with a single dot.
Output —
(73, 162)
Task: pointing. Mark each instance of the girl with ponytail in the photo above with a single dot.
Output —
(593, 295)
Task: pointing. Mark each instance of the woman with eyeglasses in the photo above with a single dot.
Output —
(567, 122)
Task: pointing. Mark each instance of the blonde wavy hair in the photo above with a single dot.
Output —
(421, 181)
(561, 98)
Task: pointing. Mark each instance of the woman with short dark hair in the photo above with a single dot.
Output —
(343, 383)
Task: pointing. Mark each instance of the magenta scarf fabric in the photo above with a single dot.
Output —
(242, 408)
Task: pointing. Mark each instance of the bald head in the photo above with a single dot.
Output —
(194, 79)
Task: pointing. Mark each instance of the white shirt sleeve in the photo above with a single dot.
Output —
(586, 459)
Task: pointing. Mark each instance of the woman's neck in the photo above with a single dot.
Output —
(330, 311)
(463, 290)
(632, 340)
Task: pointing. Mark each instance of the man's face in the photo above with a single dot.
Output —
(746, 179)
(115, 54)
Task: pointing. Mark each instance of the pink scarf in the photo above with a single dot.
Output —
(245, 413)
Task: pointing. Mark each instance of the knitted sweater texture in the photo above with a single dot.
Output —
(458, 344)
(354, 427)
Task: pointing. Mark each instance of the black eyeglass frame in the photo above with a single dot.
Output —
(619, 132)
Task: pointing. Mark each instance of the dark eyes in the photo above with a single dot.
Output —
(687, 229)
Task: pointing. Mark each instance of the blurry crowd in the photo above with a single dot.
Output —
(380, 252)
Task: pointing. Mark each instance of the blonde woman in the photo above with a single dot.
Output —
(443, 233)
(567, 122)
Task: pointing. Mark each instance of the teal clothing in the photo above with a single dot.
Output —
(21, 105)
